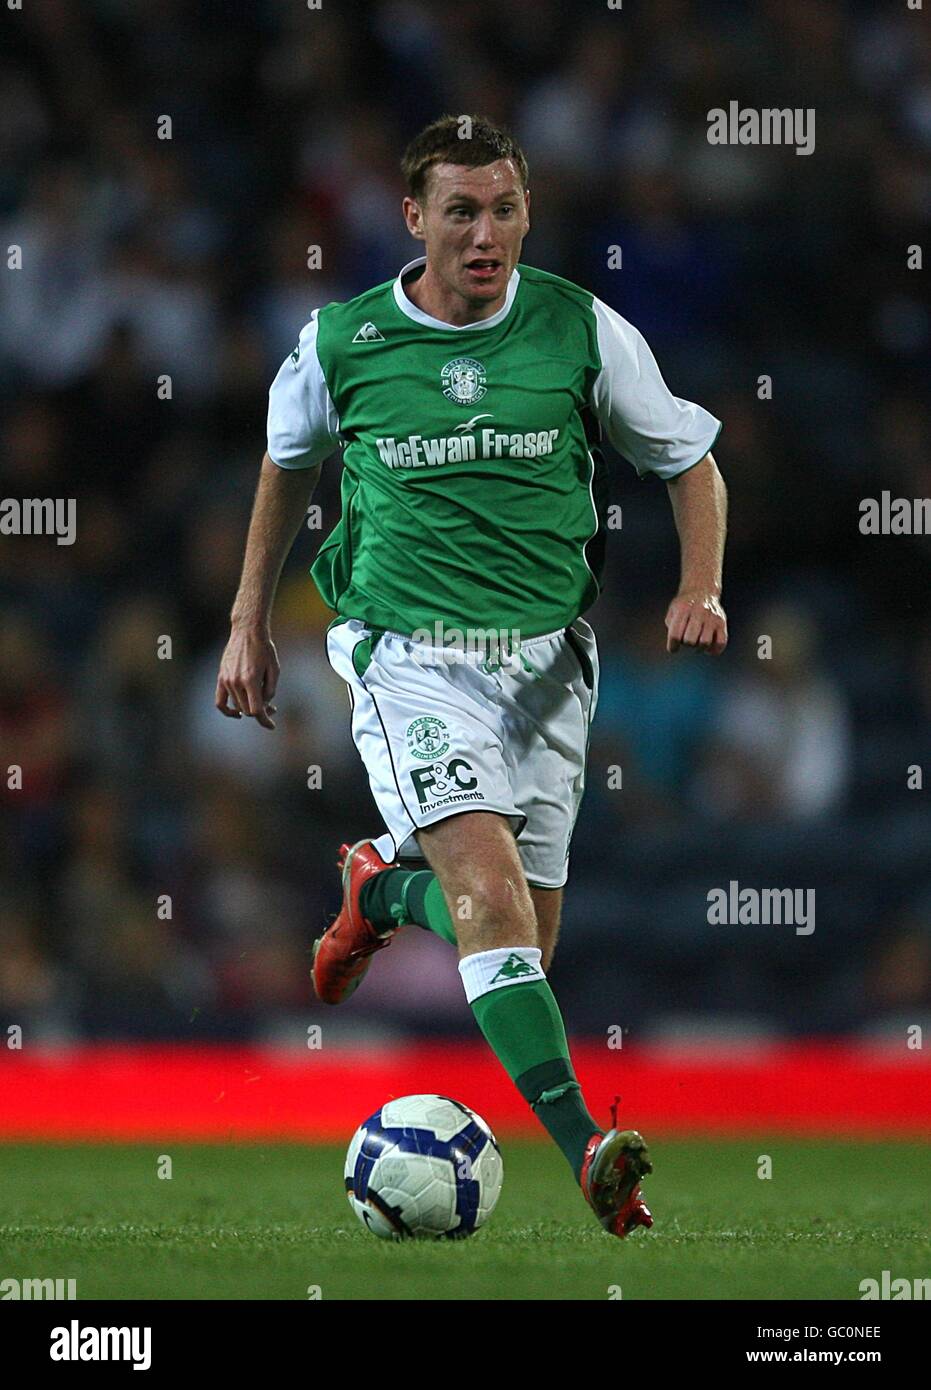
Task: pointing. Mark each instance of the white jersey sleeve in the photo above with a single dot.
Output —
(303, 427)
(646, 423)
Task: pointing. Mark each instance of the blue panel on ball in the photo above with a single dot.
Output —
(469, 1143)
(373, 1146)
(470, 1140)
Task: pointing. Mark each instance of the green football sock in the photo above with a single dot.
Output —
(398, 896)
(524, 1028)
(521, 1023)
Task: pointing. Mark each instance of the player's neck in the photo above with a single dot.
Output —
(436, 299)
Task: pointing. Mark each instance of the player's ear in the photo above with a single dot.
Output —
(413, 216)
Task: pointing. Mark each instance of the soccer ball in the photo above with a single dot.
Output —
(423, 1166)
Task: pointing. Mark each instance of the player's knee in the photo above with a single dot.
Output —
(495, 911)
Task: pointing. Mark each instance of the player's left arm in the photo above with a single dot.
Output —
(695, 617)
(663, 434)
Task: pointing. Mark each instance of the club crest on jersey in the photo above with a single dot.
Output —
(427, 738)
(463, 381)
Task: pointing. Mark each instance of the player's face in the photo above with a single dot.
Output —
(473, 222)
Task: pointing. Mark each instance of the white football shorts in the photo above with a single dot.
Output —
(442, 731)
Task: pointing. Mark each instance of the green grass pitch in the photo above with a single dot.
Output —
(248, 1221)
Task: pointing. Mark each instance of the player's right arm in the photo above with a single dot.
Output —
(303, 429)
(249, 669)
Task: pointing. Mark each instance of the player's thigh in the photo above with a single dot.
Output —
(425, 729)
(547, 906)
(474, 856)
(550, 702)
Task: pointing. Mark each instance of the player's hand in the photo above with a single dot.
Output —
(248, 677)
(696, 619)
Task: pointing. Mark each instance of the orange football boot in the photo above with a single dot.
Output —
(611, 1171)
(344, 952)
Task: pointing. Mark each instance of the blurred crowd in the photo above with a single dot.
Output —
(163, 871)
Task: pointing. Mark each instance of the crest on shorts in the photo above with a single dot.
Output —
(427, 737)
(463, 381)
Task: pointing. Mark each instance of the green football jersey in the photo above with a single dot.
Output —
(471, 498)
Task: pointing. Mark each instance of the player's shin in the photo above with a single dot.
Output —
(401, 897)
(520, 1019)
